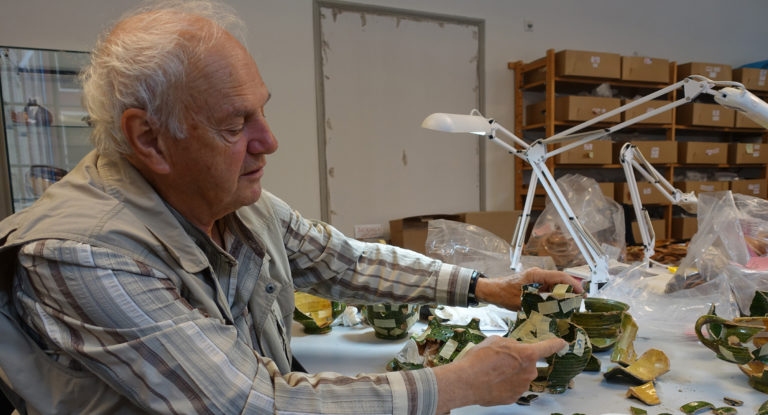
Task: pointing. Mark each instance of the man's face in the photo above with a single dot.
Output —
(219, 164)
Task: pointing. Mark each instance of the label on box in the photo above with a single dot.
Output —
(647, 61)
(707, 188)
(647, 191)
(755, 188)
(595, 60)
(712, 151)
(598, 111)
(715, 115)
(588, 146)
(761, 80)
(654, 152)
(712, 70)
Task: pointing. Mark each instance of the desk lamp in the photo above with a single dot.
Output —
(732, 95)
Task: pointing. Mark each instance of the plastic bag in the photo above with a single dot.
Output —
(673, 314)
(469, 246)
(732, 230)
(473, 247)
(730, 247)
(602, 217)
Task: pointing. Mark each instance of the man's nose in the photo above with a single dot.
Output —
(263, 141)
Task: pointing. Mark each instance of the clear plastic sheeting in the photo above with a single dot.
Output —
(602, 217)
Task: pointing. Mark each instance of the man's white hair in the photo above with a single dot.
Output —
(145, 61)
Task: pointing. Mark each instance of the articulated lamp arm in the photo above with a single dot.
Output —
(632, 160)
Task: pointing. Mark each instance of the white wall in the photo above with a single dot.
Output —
(281, 39)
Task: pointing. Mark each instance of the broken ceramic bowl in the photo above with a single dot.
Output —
(439, 344)
(391, 321)
(314, 313)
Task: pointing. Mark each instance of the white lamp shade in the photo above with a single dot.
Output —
(457, 123)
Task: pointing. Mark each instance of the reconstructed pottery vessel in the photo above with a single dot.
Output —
(391, 321)
(742, 341)
(561, 303)
(563, 365)
(316, 314)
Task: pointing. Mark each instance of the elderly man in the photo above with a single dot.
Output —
(158, 277)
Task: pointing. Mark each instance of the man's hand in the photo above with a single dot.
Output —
(495, 372)
(505, 291)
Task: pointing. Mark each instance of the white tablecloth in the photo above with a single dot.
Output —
(695, 373)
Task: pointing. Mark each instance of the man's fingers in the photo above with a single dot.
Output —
(548, 347)
(551, 278)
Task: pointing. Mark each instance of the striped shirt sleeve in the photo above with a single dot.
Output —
(128, 324)
(326, 263)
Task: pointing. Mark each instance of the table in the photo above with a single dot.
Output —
(695, 373)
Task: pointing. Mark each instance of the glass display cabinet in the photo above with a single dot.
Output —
(45, 128)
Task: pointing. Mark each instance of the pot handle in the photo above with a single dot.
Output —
(705, 340)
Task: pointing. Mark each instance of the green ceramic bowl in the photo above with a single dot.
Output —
(602, 321)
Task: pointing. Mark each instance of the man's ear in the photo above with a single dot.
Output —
(144, 141)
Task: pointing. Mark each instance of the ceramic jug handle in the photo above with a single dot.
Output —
(703, 321)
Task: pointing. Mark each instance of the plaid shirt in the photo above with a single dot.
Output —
(101, 311)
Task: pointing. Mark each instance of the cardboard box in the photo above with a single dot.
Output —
(411, 232)
(501, 222)
(713, 71)
(656, 152)
(709, 115)
(752, 187)
(659, 228)
(748, 153)
(701, 187)
(574, 108)
(754, 79)
(661, 118)
(595, 152)
(535, 113)
(607, 189)
(649, 194)
(691, 152)
(684, 228)
(644, 69)
(590, 64)
(742, 121)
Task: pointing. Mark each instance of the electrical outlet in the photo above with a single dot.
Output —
(528, 25)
